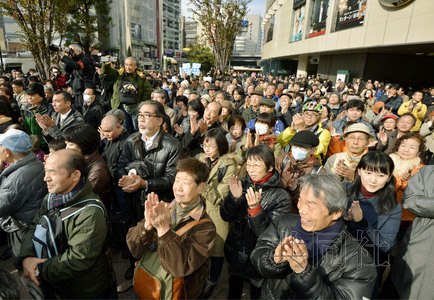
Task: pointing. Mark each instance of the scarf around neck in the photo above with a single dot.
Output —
(182, 212)
(318, 242)
(57, 200)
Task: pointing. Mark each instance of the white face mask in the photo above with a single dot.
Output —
(87, 99)
(261, 128)
(299, 153)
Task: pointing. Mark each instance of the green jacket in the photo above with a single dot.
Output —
(83, 270)
(144, 89)
(29, 120)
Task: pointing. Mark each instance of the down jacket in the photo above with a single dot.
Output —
(159, 162)
(275, 201)
(345, 271)
(22, 189)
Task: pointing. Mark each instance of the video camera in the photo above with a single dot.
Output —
(99, 59)
(55, 49)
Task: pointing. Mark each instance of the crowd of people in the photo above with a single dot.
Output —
(307, 188)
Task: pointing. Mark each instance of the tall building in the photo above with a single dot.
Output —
(374, 39)
(247, 48)
(171, 27)
(190, 33)
(135, 29)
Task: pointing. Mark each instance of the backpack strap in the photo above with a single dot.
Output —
(190, 225)
(69, 211)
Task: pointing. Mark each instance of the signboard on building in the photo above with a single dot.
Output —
(298, 3)
(318, 18)
(298, 25)
(350, 13)
(195, 69)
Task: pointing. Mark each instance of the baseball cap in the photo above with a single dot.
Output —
(16, 141)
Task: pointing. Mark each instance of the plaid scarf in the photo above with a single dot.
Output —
(57, 200)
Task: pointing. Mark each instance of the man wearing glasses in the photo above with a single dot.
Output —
(357, 137)
(147, 163)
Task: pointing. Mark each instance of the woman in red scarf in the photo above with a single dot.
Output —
(252, 205)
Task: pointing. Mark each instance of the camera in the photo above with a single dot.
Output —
(108, 59)
(56, 48)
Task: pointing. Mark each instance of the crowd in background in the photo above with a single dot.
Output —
(269, 143)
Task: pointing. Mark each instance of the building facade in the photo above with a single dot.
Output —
(134, 30)
(247, 48)
(171, 28)
(389, 40)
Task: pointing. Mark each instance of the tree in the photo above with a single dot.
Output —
(200, 53)
(85, 25)
(38, 24)
(222, 22)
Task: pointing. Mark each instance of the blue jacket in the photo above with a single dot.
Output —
(381, 231)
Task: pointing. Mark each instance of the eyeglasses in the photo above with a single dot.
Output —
(254, 166)
(203, 146)
(354, 139)
(146, 115)
(310, 115)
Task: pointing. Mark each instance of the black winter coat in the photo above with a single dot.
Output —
(275, 201)
(345, 271)
(157, 164)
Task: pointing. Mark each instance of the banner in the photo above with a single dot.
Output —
(195, 70)
(350, 13)
(186, 68)
(298, 25)
(318, 18)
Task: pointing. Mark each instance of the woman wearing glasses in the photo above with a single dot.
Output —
(222, 166)
(252, 205)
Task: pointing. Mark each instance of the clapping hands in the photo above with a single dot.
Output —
(157, 214)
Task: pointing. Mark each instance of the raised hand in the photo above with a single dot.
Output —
(178, 129)
(355, 212)
(160, 217)
(235, 186)
(253, 197)
(150, 202)
(295, 253)
(194, 124)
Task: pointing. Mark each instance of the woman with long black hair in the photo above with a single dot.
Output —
(374, 215)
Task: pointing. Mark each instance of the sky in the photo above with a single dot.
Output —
(255, 7)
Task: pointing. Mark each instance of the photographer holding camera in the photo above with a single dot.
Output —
(130, 88)
(80, 70)
(105, 82)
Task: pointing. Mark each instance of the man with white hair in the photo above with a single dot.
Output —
(130, 88)
(312, 255)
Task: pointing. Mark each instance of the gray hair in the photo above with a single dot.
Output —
(133, 59)
(335, 197)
